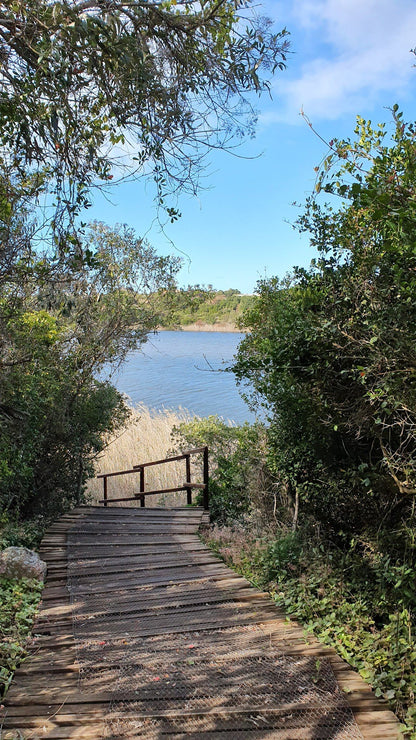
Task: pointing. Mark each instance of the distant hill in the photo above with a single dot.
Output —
(204, 309)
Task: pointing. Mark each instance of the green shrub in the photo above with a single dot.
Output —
(331, 351)
(237, 464)
(22, 534)
(49, 448)
(19, 600)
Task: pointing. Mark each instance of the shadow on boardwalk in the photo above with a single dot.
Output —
(145, 633)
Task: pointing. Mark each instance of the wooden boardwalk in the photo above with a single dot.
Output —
(144, 633)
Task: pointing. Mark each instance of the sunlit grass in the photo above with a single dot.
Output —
(146, 437)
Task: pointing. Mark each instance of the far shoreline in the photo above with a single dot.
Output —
(225, 328)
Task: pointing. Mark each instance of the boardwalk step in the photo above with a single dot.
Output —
(143, 632)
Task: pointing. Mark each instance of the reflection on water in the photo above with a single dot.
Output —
(185, 369)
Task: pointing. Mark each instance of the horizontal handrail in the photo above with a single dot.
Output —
(107, 501)
(136, 468)
(183, 456)
(187, 486)
(147, 493)
(118, 472)
(161, 490)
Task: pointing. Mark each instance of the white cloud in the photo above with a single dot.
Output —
(348, 54)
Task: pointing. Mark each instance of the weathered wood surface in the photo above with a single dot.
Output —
(142, 632)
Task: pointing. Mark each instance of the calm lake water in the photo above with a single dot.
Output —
(183, 369)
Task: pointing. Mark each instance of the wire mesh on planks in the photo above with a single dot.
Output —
(147, 642)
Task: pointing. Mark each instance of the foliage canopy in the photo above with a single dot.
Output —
(332, 348)
(59, 328)
(85, 83)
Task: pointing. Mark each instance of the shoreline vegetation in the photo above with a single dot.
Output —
(200, 308)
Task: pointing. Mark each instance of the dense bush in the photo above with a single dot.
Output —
(239, 480)
(48, 450)
(60, 325)
(332, 358)
(332, 351)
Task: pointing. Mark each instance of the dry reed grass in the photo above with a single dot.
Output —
(146, 437)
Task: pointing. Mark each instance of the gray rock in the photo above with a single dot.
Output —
(19, 562)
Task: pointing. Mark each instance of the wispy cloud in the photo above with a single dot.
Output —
(349, 54)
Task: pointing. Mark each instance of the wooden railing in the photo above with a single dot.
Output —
(186, 486)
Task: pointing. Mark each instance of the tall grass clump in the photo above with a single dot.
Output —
(146, 436)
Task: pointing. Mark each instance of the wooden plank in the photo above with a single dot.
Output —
(148, 561)
(128, 524)
(162, 581)
(161, 617)
(70, 709)
(162, 601)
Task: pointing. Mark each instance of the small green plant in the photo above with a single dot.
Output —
(19, 600)
(21, 534)
(317, 673)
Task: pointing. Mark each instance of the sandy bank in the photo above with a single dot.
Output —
(200, 326)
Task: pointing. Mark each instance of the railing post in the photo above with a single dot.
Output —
(188, 479)
(186, 486)
(206, 478)
(142, 500)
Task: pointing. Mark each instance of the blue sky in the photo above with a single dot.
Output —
(348, 57)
